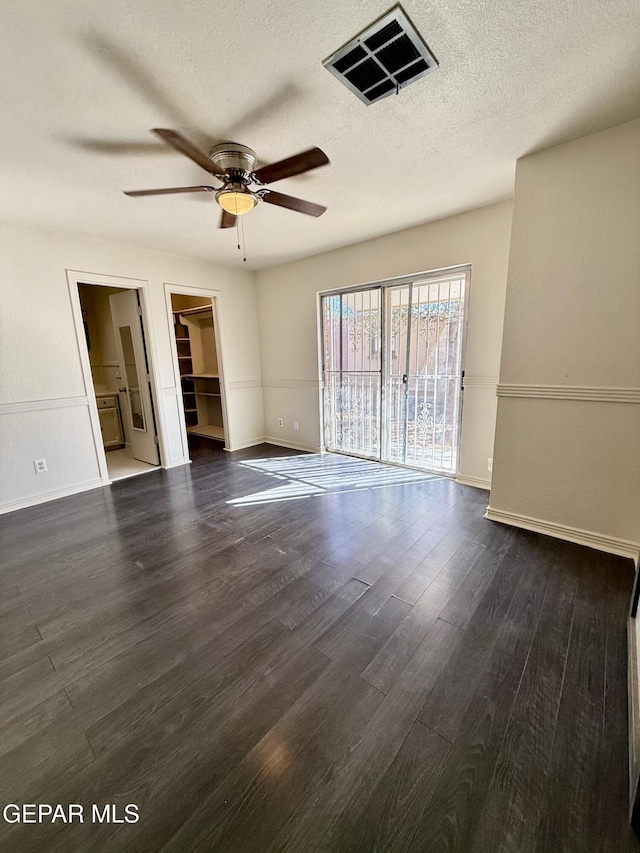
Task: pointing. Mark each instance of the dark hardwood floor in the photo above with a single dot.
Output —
(367, 670)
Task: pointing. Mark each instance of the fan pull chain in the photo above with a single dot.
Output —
(244, 250)
(240, 237)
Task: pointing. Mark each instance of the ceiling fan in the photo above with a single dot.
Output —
(233, 165)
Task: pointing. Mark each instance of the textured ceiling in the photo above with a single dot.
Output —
(83, 82)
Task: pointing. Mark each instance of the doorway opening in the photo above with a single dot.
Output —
(119, 362)
(199, 366)
(393, 355)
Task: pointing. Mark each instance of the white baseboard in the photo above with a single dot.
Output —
(293, 445)
(34, 500)
(241, 445)
(476, 482)
(599, 541)
(176, 464)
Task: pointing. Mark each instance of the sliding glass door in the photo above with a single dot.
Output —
(425, 334)
(352, 343)
(393, 358)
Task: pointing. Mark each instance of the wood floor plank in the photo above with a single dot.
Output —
(389, 821)
(363, 548)
(381, 742)
(452, 819)
(516, 801)
(402, 547)
(224, 746)
(319, 732)
(43, 769)
(18, 730)
(393, 612)
(447, 704)
(386, 667)
(11, 598)
(18, 631)
(32, 681)
(415, 584)
(573, 810)
(610, 806)
(92, 641)
(224, 659)
(321, 620)
(52, 745)
(354, 618)
(465, 600)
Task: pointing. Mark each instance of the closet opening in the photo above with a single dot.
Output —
(114, 334)
(199, 366)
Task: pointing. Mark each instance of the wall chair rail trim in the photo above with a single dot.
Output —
(41, 405)
(599, 394)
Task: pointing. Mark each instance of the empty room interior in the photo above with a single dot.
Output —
(320, 427)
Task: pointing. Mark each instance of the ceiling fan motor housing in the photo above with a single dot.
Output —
(233, 158)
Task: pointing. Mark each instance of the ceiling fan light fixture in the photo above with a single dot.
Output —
(237, 203)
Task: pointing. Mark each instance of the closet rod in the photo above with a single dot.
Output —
(197, 310)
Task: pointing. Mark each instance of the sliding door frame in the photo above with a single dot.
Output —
(384, 285)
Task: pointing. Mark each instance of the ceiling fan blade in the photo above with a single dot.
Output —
(130, 66)
(177, 141)
(119, 147)
(170, 190)
(228, 220)
(292, 203)
(295, 165)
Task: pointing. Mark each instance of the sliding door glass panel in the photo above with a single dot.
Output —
(352, 324)
(424, 372)
(397, 353)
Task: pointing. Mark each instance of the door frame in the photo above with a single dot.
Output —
(384, 284)
(215, 297)
(74, 278)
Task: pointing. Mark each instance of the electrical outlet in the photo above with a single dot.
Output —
(490, 463)
(40, 465)
(296, 425)
(280, 422)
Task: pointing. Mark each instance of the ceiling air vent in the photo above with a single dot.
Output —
(383, 59)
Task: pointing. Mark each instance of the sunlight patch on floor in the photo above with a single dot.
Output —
(321, 473)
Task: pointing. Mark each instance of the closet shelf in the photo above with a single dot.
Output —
(200, 378)
(199, 310)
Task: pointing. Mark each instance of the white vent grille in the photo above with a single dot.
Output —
(383, 59)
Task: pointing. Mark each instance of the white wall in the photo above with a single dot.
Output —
(288, 323)
(43, 401)
(567, 454)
